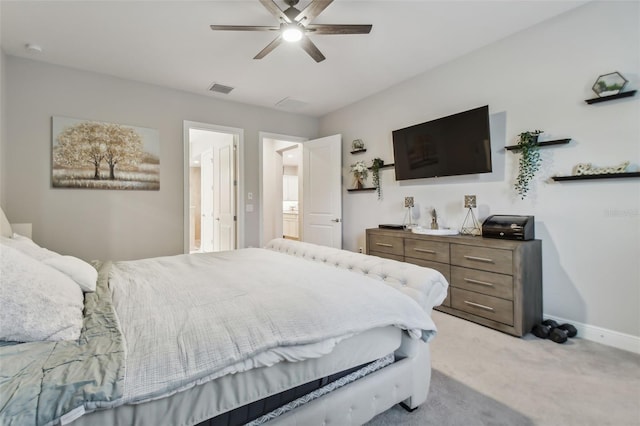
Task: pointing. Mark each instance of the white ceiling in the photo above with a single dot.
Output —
(169, 43)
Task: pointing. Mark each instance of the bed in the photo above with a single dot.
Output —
(292, 333)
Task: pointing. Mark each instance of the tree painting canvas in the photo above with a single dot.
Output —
(99, 155)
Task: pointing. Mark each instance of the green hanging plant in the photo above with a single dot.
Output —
(375, 173)
(529, 162)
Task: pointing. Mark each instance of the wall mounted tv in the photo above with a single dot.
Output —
(458, 144)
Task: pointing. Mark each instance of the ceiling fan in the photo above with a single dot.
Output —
(295, 25)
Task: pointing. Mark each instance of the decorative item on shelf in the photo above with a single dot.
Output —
(609, 84)
(540, 144)
(470, 226)
(588, 169)
(529, 162)
(434, 219)
(357, 145)
(408, 216)
(360, 173)
(375, 173)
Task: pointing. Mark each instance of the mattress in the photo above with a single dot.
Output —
(218, 396)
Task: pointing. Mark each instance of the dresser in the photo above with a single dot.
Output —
(493, 282)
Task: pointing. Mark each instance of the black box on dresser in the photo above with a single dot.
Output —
(493, 282)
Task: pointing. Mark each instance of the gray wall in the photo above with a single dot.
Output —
(98, 224)
(537, 79)
(2, 114)
(3, 120)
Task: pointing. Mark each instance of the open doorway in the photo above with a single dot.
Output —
(291, 188)
(212, 164)
(281, 187)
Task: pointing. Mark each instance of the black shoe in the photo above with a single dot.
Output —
(551, 323)
(570, 329)
(558, 335)
(541, 330)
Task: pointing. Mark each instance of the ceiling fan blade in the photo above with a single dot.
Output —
(242, 28)
(311, 49)
(312, 11)
(340, 29)
(275, 10)
(264, 52)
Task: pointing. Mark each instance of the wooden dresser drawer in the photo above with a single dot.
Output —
(489, 307)
(386, 244)
(484, 258)
(443, 268)
(387, 255)
(427, 250)
(489, 283)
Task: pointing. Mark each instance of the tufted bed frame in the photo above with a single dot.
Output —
(405, 277)
(406, 381)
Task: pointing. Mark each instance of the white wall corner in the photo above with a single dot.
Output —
(24, 229)
(607, 337)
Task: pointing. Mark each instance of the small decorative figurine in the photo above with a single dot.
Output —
(470, 226)
(434, 219)
(357, 145)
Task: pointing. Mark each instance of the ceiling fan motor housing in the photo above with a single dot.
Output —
(294, 25)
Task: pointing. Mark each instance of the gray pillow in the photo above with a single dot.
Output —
(38, 302)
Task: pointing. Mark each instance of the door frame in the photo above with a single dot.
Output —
(239, 141)
(261, 137)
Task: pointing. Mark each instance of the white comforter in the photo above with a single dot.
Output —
(191, 318)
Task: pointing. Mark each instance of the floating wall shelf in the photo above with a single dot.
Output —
(386, 166)
(361, 189)
(612, 97)
(359, 151)
(601, 176)
(540, 144)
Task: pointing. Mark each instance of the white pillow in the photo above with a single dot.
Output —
(28, 247)
(77, 269)
(38, 302)
(5, 226)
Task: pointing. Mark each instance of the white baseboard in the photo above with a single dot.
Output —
(607, 337)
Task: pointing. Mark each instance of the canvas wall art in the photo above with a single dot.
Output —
(99, 155)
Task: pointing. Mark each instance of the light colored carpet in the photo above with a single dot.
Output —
(484, 377)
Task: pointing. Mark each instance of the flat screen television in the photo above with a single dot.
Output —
(458, 144)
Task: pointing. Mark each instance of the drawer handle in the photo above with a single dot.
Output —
(479, 259)
(472, 281)
(424, 250)
(477, 305)
(384, 245)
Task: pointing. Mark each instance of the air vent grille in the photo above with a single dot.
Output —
(220, 88)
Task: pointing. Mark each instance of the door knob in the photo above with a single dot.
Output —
(335, 220)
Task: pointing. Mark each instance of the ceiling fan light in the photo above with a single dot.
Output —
(292, 33)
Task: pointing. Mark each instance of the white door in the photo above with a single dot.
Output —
(200, 137)
(322, 191)
(224, 204)
(206, 201)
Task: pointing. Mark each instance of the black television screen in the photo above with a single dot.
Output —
(458, 144)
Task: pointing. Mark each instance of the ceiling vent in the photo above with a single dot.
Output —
(221, 88)
(291, 104)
